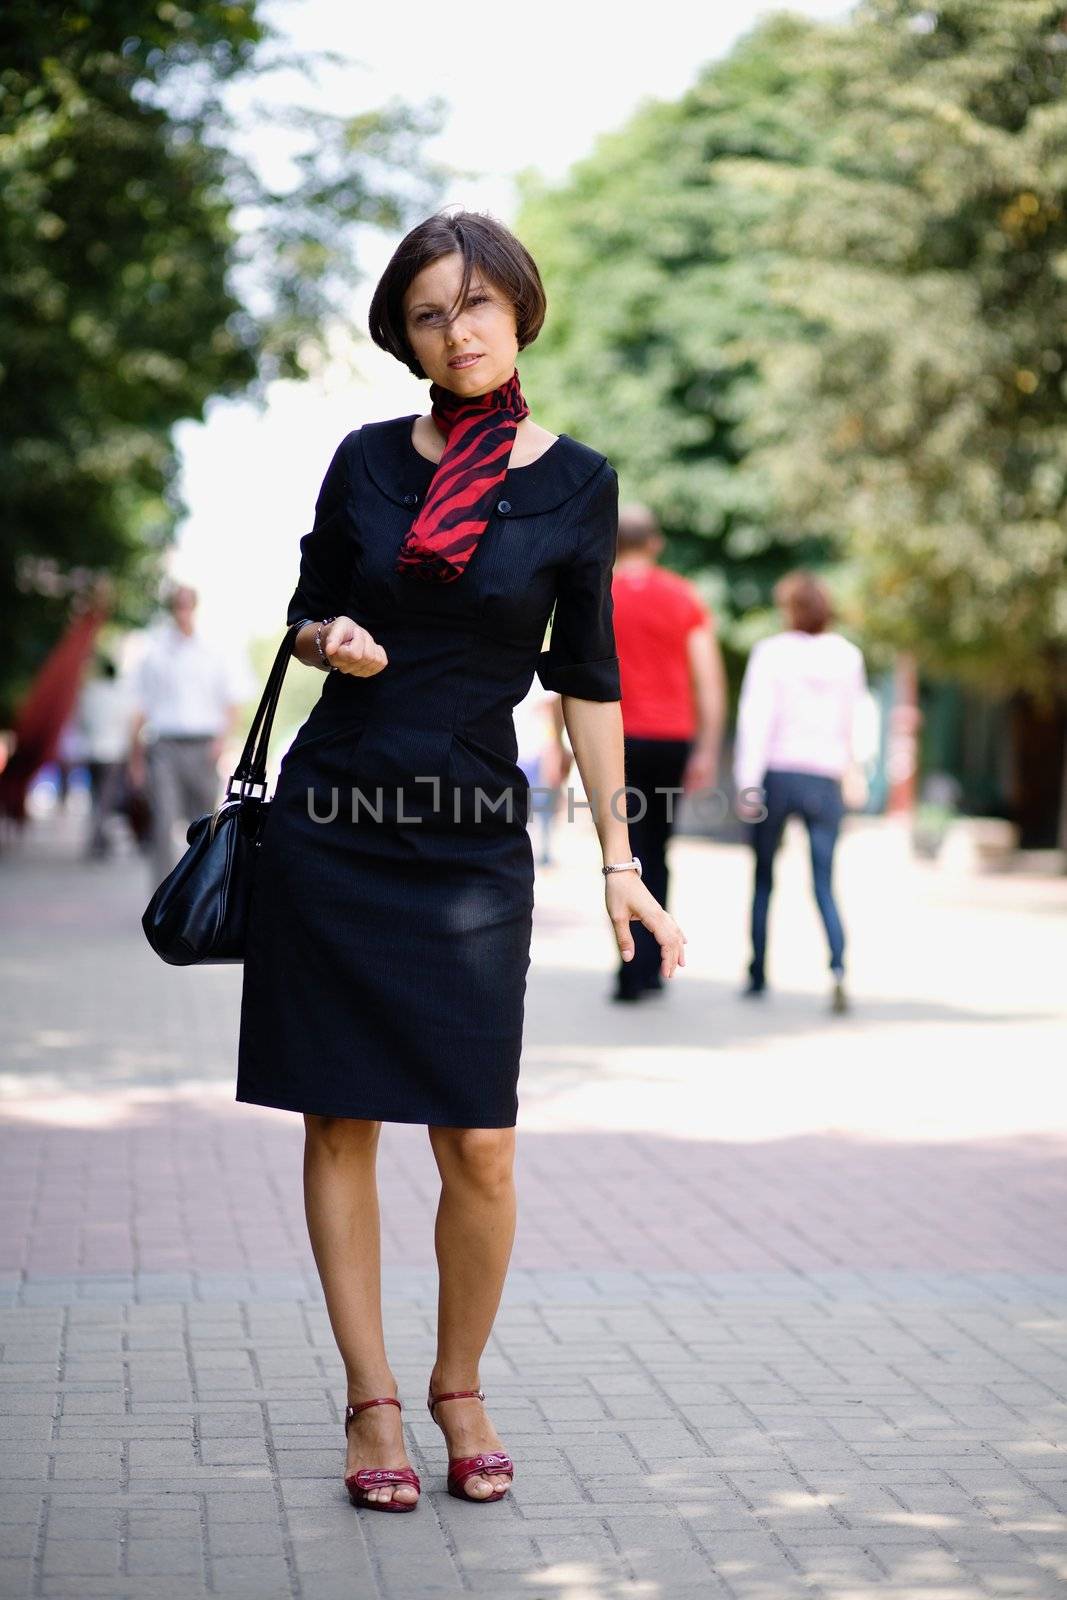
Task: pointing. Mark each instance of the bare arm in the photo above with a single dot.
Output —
(595, 731)
(708, 678)
(136, 762)
(304, 646)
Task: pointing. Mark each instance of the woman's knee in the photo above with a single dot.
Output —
(340, 1138)
(483, 1158)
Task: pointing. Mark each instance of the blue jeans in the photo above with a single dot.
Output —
(817, 799)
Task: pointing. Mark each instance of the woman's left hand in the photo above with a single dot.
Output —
(629, 901)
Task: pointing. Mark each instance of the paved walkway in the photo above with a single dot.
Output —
(789, 1300)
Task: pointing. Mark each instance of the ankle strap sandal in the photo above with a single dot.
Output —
(462, 1468)
(360, 1483)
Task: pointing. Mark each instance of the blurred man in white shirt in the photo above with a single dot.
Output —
(797, 722)
(187, 707)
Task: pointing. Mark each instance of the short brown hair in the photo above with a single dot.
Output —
(637, 527)
(805, 600)
(486, 245)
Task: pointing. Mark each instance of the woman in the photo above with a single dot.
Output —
(796, 733)
(390, 938)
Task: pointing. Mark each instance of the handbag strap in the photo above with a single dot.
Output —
(251, 769)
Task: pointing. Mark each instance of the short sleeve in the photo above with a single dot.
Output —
(581, 658)
(326, 553)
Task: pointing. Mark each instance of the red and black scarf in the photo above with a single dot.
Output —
(479, 432)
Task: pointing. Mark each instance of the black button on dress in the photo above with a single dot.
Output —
(387, 955)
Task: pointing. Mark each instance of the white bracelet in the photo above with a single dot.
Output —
(623, 866)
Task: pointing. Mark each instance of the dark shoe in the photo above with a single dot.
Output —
(839, 999)
(754, 986)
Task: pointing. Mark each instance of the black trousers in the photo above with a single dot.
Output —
(651, 765)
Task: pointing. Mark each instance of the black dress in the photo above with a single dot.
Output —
(389, 944)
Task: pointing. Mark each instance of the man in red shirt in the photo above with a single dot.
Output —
(673, 704)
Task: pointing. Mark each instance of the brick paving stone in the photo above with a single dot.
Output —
(156, 1555)
(90, 1558)
(240, 1504)
(17, 1541)
(129, 1588)
(828, 1359)
(255, 1574)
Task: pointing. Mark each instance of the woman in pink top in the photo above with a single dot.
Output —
(795, 728)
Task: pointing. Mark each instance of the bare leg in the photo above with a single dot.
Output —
(474, 1234)
(341, 1202)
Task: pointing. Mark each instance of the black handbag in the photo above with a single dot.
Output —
(199, 913)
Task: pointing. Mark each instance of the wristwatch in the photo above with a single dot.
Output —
(623, 866)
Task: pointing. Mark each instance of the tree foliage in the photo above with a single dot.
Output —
(145, 268)
(917, 413)
(657, 288)
(818, 307)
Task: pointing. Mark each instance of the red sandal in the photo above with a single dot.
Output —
(462, 1468)
(359, 1483)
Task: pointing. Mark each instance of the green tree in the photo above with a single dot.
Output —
(130, 295)
(915, 413)
(657, 287)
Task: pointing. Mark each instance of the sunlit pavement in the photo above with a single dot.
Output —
(788, 1305)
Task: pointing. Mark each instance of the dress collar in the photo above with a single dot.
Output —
(400, 471)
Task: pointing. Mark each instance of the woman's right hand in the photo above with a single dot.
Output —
(351, 649)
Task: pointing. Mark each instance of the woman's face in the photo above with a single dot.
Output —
(476, 351)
